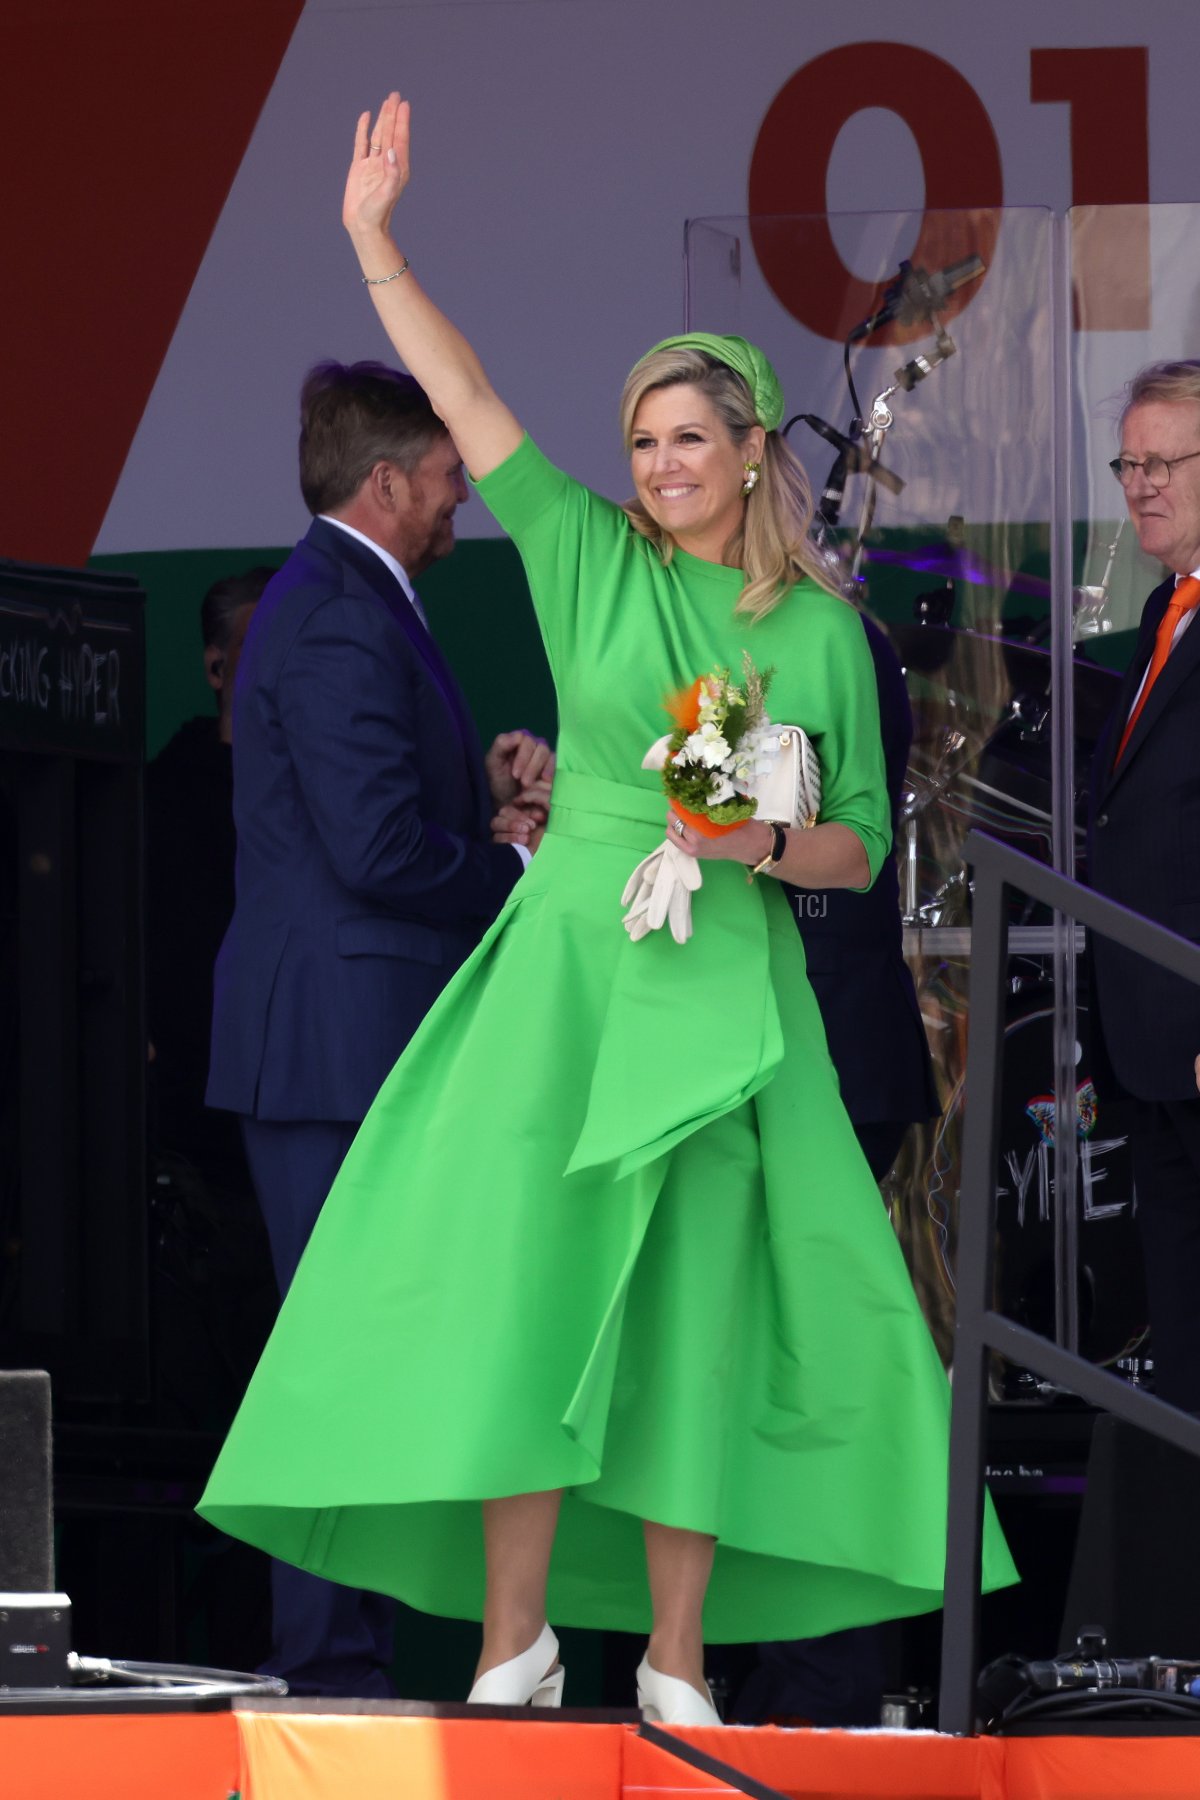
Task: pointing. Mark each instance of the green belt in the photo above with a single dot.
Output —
(607, 812)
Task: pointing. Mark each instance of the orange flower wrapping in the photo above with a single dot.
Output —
(684, 708)
(703, 826)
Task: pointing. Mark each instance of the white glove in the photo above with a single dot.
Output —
(660, 892)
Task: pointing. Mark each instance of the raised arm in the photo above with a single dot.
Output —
(431, 348)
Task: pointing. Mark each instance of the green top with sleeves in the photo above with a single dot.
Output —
(607, 1227)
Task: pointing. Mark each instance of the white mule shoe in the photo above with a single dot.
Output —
(523, 1680)
(666, 1700)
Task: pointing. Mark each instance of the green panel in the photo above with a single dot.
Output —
(175, 582)
(477, 601)
(478, 606)
(481, 614)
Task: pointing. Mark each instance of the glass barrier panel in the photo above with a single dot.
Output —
(945, 540)
(1136, 296)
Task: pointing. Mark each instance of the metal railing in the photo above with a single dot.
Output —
(980, 1329)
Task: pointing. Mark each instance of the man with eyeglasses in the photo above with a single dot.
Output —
(1144, 851)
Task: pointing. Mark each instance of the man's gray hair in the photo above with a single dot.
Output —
(1162, 381)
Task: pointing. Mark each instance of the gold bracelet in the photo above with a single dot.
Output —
(382, 280)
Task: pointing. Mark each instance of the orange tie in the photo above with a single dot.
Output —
(1185, 597)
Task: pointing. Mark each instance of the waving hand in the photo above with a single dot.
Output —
(379, 170)
(434, 350)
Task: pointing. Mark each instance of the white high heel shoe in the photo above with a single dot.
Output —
(665, 1700)
(523, 1680)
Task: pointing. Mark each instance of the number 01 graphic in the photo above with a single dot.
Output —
(1106, 93)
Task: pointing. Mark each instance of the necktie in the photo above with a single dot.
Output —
(1185, 597)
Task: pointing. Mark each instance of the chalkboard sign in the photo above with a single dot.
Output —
(72, 665)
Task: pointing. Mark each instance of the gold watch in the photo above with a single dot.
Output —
(777, 851)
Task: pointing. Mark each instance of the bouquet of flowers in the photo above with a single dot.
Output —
(725, 762)
(722, 741)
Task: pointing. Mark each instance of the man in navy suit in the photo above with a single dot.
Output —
(1144, 850)
(367, 862)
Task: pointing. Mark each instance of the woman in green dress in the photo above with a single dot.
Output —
(606, 1239)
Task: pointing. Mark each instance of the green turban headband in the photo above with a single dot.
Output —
(746, 360)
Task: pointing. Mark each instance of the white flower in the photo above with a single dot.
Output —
(706, 747)
(722, 789)
(717, 695)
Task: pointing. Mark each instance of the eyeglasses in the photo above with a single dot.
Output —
(1156, 469)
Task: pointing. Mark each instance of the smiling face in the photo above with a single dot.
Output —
(1167, 520)
(688, 469)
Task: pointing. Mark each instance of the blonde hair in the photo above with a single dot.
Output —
(772, 546)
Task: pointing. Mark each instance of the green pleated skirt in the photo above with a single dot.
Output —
(608, 1229)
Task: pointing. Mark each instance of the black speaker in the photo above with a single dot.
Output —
(1135, 1570)
(26, 1503)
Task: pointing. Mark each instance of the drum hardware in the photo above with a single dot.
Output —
(956, 563)
(854, 457)
(1090, 602)
(926, 647)
(1112, 1302)
(935, 607)
(922, 365)
(1137, 1370)
(913, 294)
(879, 423)
(954, 941)
(1033, 715)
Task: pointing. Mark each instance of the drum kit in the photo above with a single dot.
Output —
(982, 708)
(982, 757)
(983, 699)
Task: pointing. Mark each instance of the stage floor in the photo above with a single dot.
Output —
(287, 1751)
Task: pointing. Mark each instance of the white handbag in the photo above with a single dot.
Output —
(790, 792)
(660, 890)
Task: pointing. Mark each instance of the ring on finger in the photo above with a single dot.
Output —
(679, 827)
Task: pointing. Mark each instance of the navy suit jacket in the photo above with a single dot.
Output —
(1144, 850)
(854, 947)
(365, 872)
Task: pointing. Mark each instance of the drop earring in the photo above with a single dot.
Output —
(750, 471)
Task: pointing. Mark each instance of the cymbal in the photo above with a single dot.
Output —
(956, 563)
(927, 648)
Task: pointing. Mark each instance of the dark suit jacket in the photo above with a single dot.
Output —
(365, 874)
(1144, 850)
(854, 947)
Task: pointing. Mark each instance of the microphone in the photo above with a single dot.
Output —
(829, 506)
(853, 457)
(916, 294)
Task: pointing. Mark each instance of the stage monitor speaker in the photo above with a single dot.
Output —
(26, 1492)
(1135, 1571)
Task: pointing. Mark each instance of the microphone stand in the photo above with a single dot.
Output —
(881, 419)
(879, 422)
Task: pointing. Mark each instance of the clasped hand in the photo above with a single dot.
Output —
(520, 772)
